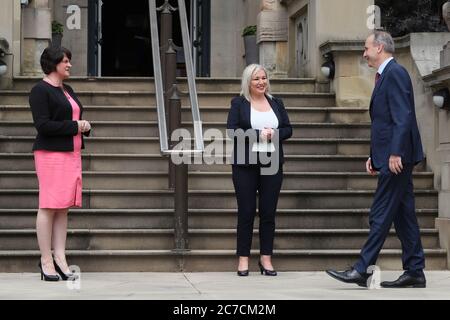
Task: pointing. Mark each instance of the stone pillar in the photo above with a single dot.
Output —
(443, 222)
(36, 35)
(272, 38)
(73, 14)
(227, 46)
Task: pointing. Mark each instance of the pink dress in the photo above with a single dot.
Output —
(59, 173)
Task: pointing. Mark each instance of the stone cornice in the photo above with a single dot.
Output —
(358, 45)
(286, 2)
(438, 77)
(341, 46)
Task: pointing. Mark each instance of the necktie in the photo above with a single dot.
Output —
(377, 77)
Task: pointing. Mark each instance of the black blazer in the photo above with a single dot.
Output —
(52, 116)
(239, 118)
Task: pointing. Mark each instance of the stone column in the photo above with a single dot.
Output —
(272, 38)
(36, 35)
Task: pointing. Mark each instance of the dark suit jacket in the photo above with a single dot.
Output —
(239, 118)
(52, 116)
(394, 128)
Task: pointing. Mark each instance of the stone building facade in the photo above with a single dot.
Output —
(295, 37)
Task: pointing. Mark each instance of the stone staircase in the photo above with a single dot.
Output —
(126, 223)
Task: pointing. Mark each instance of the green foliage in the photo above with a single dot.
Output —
(57, 27)
(249, 31)
(406, 16)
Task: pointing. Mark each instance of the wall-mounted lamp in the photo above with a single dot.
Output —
(24, 2)
(4, 50)
(3, 68)
(328, 69)
(441, 99)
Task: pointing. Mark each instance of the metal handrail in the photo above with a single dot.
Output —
(162, 125)
(158, 78)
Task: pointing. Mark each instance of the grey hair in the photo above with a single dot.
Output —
(247, 79)
(385, 39)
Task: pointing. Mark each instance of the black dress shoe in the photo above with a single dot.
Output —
(349, 276)
(406, 281)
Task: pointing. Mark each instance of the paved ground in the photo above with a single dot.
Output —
(214, 286)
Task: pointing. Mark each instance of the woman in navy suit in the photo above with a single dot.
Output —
(258, 124)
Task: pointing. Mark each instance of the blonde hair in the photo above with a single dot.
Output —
(247, 79)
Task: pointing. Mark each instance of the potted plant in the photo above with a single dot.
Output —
(57, 33)
(251, 48)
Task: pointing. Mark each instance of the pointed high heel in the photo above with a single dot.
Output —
(47, 277)
(266, 272)
(64, 276)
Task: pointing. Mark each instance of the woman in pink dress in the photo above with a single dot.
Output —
(57, 154)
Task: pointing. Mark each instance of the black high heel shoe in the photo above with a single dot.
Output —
(266, 272)
(243, 273)
(64, 276)
(47, 277)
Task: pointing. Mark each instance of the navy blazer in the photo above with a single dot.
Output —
(239, 118)
(394, 129)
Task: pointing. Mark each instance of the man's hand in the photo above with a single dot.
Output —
(369, 168)
(395, 164)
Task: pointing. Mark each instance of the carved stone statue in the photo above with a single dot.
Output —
(445, 53)
(446, 13)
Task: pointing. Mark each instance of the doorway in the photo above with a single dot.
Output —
(301, 45)
(119, 37)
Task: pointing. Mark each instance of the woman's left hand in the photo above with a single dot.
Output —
(267, 133)
(84, 125)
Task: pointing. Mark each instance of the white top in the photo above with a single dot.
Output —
(384, 64)
(261, 120)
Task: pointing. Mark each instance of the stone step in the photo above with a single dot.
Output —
(309, 130)
(204, 218)
(307, 180)
(147, 83)
(145, 180)
(155, 162)
(207, 113)
(134, 145)
(150, 129)
(99, 113)
(139, 145)
(207, 239)
(99, 128)
(147, 98)
(209, 260)
(212, 199)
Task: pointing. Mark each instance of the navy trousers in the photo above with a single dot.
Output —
(248, 181)
(394, 202)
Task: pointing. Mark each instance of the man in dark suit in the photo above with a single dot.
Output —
(395, 148)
